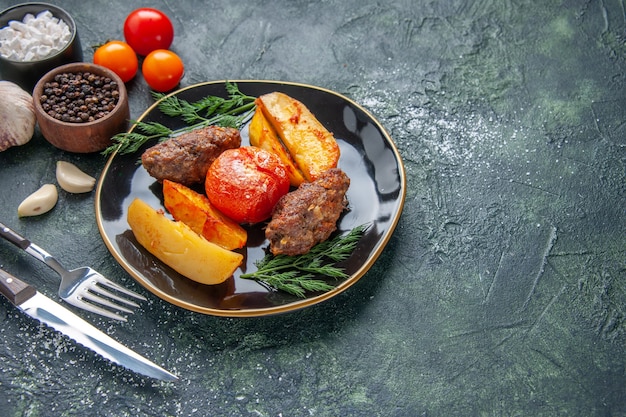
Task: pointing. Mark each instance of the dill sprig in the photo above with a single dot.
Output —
(297, 274)
(233, 111)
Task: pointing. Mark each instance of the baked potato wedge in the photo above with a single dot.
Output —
(264, 136)
(179, 247)
(312, 147)
(195, 210)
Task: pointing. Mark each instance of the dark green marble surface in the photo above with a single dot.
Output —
(502, 291)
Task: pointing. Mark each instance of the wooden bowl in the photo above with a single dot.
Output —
(83, 137)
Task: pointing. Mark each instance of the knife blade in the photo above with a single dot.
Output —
(26, 298)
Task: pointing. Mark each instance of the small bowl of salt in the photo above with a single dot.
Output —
(34, 39)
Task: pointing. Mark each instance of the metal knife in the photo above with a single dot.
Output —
(35, 304)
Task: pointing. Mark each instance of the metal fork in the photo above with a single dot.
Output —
(82, 287)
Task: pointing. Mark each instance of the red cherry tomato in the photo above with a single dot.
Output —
(119, 57)
(246, 183)
(147, 29)
(162, 70)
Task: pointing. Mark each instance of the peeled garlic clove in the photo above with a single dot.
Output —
(72, 179)
(39, 202)
(17, 116)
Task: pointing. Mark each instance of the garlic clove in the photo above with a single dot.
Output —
(39, 202)
(72, 179)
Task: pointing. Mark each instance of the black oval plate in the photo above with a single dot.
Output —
(376, 197)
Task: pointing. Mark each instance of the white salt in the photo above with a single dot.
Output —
(34, 38)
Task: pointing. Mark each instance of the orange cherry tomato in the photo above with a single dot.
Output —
(162, 70)
(246, 183)
(119, 57)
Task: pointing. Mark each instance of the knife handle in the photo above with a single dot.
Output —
(15, 290)
(14, 237)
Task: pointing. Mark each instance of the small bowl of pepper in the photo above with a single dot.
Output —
(81, 106)
(35, 38)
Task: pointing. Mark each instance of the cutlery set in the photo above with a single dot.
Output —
(84, 288)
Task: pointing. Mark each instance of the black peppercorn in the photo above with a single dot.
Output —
(79, 97)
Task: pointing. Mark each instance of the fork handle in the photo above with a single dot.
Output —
(14, 237)
(29, 247)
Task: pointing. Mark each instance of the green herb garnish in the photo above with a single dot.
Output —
(233, 111)
(296, 274)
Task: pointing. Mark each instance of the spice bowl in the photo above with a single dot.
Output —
(26, 73)
(80, 107)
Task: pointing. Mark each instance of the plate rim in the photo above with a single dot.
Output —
(284, 308)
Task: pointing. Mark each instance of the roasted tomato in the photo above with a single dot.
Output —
(162, 70)
(119, 57)
(147, 29)
(246, 183)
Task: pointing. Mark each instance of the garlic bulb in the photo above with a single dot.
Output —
(39, 202)
(17, 116)
(72, 179)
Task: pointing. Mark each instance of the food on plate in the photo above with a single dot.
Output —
(299, 274)
(245, 183)
(72, 179)
(39, 202)
(119, 57)
(17, 116)
(264, 136)
(179, 247)
(162, 70)
(195, 210)
(312, 147)
(186, 158)
(308, 215)
(233, 111)
(147, 29)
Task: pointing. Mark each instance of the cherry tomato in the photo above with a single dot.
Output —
(246, 183)
(119, 57)
(147, 29)
(162, 70)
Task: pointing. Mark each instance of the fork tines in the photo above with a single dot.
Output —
(96, 298)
